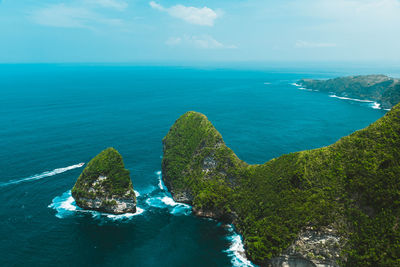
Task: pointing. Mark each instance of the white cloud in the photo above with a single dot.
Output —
(353, 13)
(114, 4)
(305, 44)
(72, 16)
(201, 42)
(156, 6)
(200, 16)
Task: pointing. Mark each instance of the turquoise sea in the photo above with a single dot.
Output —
(53, 117)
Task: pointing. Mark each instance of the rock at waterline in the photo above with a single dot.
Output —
(105, 185)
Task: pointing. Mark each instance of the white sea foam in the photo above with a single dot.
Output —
(42, 175)
(267, 83)
(113, 217)
(302, 88)
(352, 99)
(236, 250)
(181, 209)
(123, 216)
(65, 206)
(160, 181)
(155, 202)
(167, 202)
(376, 105)
(373, 104)
(137, 194)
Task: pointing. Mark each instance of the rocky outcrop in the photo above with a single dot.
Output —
(105, 185)
(194, 148)
(319, 248)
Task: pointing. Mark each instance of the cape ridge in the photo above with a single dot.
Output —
(384, 90)
(329, 206)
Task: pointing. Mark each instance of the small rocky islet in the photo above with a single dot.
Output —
(105, 185)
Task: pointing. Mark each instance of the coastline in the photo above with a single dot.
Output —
(374, 104)
(237, 238)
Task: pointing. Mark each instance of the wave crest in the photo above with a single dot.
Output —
(66, 207)
(236, 250)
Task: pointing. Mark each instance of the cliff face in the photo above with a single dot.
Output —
(312, 248)
(198, 168)
(323, 207)
(105, 185)
(379, 88)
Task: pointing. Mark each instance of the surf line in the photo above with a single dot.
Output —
(43, 175)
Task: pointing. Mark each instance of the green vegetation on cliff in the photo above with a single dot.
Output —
(104, 176)
(379, 88)
(200, 163)
(352, 186)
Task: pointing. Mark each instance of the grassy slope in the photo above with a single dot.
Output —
(108, 163)
(353, 185)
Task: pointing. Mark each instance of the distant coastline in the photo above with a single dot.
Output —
(382, 91)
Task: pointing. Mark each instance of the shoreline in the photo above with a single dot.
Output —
(375, 104)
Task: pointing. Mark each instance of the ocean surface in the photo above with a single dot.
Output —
(54, 117)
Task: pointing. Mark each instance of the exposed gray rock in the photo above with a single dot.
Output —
(105, 185)
(184, 197)
(114, 204)
(320, 248)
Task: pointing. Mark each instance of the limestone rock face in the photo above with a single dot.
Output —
(320, 248)
(105, 185)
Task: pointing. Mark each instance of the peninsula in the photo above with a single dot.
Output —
(379, 88)
(336, 205)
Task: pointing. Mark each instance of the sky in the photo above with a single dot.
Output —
(129, 31)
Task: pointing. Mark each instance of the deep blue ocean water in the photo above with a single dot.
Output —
(56, 116)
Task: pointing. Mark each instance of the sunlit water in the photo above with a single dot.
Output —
(53, 117)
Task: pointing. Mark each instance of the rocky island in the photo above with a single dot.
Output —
(105, 185)
(378, 88)
(334, 206)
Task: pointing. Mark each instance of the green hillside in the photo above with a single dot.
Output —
(379, 88)
(352, 186)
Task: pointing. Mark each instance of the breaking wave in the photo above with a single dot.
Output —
(236, 250)
(42, 175)
(164, 200)
(66, 207)
(371, 103)
(167, 202)
(352, 99)
(300, 87)
(161, 184)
